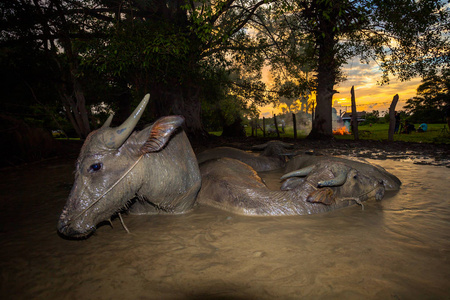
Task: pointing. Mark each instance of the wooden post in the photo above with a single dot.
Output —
(256, 127)
(354, 115)
(294, 121)
(276, 125)
(264, 127)
(392, 118)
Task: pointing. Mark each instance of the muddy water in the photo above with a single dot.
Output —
(398, 248)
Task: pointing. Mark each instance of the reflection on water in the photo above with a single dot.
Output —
(398, 248)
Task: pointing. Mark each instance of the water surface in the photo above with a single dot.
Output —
(398, 248)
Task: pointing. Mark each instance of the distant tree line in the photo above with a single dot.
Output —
(432, 103)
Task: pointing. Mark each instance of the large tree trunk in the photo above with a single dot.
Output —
(71, 92)
(72, 96)
(179, 100)
(81, 107)
(76, 111)
(322, 127)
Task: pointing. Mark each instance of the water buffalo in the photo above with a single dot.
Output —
(273, 156)
(390, 181)
(115, 165)
(157, 166)
(234, 186)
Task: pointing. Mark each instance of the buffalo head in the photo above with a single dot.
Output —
(115, 165)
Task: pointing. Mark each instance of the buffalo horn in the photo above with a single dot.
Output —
(115, 137)
(298, 173)
(259, 147)
(108, 121)
(340, 179)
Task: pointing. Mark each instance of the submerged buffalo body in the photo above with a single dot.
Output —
(390, 181)
(158, 167)
(234, 186)
(273, 156)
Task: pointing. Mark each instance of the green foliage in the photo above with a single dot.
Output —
(227, 99)
(379, 132)
(199, 52)
(433, 95)
(177, 50)
(376, 132)
(407, 38)
(137, 48)
(372, 117)
(209, 52)
(28, 79)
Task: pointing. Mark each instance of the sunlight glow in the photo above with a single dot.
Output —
(369, 94)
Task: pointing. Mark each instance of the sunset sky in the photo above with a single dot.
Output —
(369, 95)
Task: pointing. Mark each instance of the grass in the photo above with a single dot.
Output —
(377, 132)
(66, 139)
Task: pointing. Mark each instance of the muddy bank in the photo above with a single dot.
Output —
(433, 154)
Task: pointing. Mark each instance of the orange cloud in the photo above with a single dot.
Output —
(369, 95)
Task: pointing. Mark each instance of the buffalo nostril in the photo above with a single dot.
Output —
(71, 233)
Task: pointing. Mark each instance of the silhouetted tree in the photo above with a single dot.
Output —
(433, 95)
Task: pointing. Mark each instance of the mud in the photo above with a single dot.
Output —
(398, 248)
(418, 153)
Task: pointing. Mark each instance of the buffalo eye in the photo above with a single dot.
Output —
(95, 167)
(355, 176)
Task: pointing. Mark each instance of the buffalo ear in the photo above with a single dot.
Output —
(160, 133)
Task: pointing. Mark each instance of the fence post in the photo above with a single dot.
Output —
(354, 115)
(392, 118)
(264, 127)
(294, 121)
(276, 125)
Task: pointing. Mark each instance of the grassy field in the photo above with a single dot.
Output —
(435, 133)
(378, 132)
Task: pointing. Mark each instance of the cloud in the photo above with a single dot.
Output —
(369, 94)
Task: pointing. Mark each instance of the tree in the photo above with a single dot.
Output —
(433, 95)
(406, 37)
(372, 117)
(229, 100)
(174, 49)
(50, 29)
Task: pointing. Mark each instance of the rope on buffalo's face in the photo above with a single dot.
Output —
(107, 191)
(357, 199)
